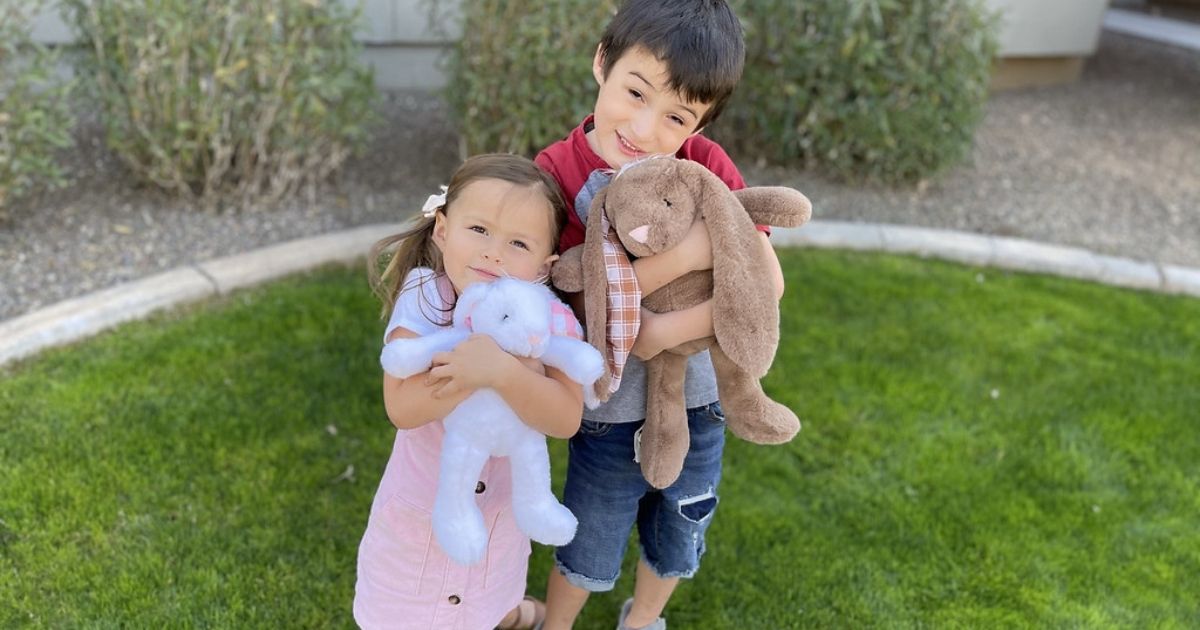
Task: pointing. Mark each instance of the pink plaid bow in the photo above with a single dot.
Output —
(624, 303)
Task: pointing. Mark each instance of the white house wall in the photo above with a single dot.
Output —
(399, 42)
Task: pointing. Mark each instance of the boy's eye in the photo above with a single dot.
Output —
(478, 228)
(635, 94)
(677, 120)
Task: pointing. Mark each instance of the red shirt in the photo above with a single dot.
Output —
(571, 161)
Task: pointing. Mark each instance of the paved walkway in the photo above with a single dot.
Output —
(75, 319)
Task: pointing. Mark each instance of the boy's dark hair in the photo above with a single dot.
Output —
(700, 41)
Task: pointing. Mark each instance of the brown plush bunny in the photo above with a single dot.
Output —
(651, 206)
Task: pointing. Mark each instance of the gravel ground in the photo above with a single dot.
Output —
(1110, 163)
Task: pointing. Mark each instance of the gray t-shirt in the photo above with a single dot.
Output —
(628, 404)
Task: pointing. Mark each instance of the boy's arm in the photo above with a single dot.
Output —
(659, 332)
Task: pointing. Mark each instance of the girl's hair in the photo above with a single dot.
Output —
(414, 247)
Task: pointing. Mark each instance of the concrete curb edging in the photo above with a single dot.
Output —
(993, 251)
(78, 318)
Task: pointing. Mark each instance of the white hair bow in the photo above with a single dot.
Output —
(433, 203)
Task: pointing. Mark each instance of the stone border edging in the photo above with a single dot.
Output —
(78, 318)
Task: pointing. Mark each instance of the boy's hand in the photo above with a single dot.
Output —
(652, 338)
(694, 252)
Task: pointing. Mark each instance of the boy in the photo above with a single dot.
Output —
(665, 69)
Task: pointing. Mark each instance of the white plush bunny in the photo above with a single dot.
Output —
(516, 314)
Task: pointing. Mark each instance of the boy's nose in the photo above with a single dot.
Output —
(643, 126)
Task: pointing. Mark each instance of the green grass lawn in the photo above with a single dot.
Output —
(980, 450)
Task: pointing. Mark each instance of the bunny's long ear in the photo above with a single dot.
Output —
(745, 311)
(595, 290)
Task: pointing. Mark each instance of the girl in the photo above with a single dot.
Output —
(500, 216)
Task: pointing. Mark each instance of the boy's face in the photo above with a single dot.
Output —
(636, 114)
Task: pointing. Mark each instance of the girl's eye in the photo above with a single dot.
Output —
(635, 94)
(478, 229)
(520, 244)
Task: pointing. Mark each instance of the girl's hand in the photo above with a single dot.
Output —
(473, 364)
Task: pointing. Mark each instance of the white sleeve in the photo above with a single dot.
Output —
(420, 307)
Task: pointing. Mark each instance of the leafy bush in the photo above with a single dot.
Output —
(887, 90)
(34, 117)
(521, 76)
(224, 99)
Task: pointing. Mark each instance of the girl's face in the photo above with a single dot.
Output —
(493, 229)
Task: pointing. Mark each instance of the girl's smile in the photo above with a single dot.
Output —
(486, 275)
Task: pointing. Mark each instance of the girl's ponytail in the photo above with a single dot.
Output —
(412, 248)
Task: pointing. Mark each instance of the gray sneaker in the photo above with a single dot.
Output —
(658, 624)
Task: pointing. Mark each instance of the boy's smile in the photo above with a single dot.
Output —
(636, 113)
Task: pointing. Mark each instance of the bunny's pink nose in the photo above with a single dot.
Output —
(640, 234)
(535, 340)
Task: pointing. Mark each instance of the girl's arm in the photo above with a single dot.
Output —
(550, 403)
(410, 402)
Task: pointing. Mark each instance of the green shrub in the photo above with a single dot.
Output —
(34, 117)
(224, 99)
(521, 76)
(886, 90)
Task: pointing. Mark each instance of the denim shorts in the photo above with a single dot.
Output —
(606, 491)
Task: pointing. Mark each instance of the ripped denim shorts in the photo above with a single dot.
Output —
(606, 491)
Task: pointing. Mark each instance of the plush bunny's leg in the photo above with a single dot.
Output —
(457, 522)
(665, 437)
(538, 512)
(750, 414)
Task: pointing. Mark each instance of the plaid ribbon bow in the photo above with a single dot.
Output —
(624, 303)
